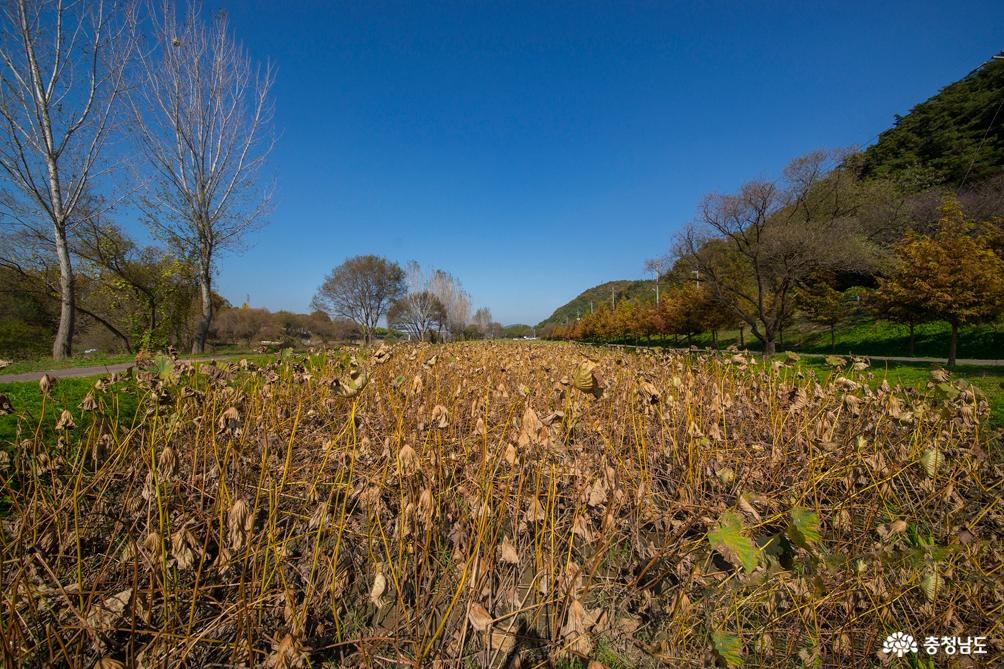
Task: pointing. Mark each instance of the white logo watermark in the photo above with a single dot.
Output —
(901, 643)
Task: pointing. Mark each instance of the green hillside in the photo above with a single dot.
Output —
(953, 133)
(592, 298)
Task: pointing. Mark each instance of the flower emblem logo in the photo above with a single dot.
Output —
(899, 644)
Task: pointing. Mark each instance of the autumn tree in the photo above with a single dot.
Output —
(241, 325)
(754, 246)
(331, 329)
(954, 275)
(688, 310)
(203, 113)
(898, 308)
(145, 292)
(62, 67)
(822, 304)
(361, 289)
(142, 296)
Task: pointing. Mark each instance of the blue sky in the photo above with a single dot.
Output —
(536, 149)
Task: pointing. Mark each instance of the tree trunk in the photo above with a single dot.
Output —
(62, 347)
(153, 314)
(953, 344)
(911, 340)
(742, 343)
(768, 345)
(833, 338)
(206, 318)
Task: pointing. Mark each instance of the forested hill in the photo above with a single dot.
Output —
(593, 297)
(948, 135)
(956, 135)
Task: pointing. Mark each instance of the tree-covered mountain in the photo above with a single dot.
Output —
(953, 137)
(593, 298)
(957, 135)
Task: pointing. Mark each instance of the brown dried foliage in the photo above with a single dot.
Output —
(496, 503)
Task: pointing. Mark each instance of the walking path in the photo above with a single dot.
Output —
(97, 370)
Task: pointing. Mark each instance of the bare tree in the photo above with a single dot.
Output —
(457, 302)
(204, 116)
(658, 267)
(418, 314)
(361, 289)
(62, 73)
(754, 246)
(483, 321)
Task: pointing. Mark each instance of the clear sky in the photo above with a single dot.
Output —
(536, 149)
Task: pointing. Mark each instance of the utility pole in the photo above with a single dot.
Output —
(591, 309)
(612, 298)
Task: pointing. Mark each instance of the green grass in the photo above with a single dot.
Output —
(892, 339)
(99, 359)
(863, 337)
(868, 337)
(989, 379)
(41, 413)
(82, 360)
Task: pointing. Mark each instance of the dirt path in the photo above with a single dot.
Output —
(97, 370)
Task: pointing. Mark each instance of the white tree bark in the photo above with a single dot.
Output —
(62, 68)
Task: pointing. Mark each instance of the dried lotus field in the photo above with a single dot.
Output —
(503, 505)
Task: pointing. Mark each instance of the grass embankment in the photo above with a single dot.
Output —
(988, 379)
(983, 342)
(489, 504)
(864, 337)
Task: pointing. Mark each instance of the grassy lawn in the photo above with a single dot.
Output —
(42, 413)
(892, 339)
(67, 393)
(866, 337)
(82, 360)
(99, 359)
(989, 379)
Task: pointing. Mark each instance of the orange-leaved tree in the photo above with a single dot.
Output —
(954, 275)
